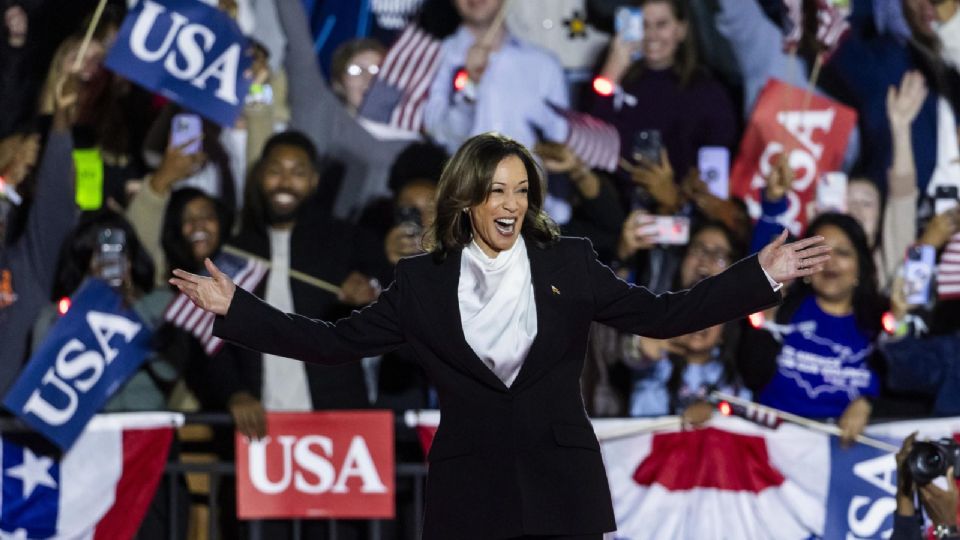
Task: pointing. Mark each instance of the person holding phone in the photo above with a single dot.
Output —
(498, 315)
(663, 87)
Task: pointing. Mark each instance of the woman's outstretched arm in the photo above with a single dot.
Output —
(248, 321)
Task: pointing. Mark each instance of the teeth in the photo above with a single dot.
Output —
(284, 198)
(199, 236)
(506, 222)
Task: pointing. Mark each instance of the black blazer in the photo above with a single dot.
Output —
(506, 461)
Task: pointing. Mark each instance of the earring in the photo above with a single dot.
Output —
(806, 279)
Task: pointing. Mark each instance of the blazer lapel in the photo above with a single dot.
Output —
(548, 343)
(451, 327)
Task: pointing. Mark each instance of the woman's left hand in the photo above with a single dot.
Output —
(785, 262)
(854, 419)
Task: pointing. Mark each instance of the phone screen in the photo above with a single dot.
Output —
(917, 273)
(832, 192)
(184, 128)
(714, 165)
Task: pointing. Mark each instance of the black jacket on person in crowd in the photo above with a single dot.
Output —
(506, 461)
(321, 247)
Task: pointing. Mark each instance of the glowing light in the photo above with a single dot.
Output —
(460, 81)
(756, 319)
(889, 322)
(63, 306)
(725, 408)
(603, 86)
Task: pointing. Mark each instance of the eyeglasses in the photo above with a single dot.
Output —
(718, 256)
(355, 70)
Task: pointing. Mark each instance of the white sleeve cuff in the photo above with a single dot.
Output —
(776, 285)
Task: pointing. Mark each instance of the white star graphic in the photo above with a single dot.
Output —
(33, 472)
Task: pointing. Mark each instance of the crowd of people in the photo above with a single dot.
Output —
(303, 182)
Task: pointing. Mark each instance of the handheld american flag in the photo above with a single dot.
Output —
(182, 313)
(948, 271)
(594, 141)
(397, 95)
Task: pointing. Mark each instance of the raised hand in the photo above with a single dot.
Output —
(785, 262)
(212, 294)
(904, 103)
(780, 180)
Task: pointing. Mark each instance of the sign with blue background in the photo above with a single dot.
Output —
(188, 51)
(88, 354)
(862, 495)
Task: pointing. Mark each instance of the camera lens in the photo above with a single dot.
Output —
(927, 461)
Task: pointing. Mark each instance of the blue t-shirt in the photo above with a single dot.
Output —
(822, 366)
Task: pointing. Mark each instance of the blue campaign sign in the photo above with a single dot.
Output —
(89, 353)
(188, 51)
(862, 495)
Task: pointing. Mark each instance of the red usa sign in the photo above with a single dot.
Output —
(318, 465)
(812, 130)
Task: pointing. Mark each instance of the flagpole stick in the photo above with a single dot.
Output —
(78, 61)
(669, 423)
(295, 274)
(805, 422)
(812, 82)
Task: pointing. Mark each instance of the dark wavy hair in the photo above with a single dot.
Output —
(79, 246)
(868, 304)
(466, 182)
(175, 246)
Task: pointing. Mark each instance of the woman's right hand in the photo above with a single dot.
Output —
(248, 415)
(212, 294)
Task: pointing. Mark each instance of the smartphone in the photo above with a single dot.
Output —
(186, 127)
(714, 165)
(945, 199)
(672, 230)
(832, 192)
(110, 262)
(646, 145)
(918, 273)
(628, 22)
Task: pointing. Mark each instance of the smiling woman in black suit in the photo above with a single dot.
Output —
(498, 314)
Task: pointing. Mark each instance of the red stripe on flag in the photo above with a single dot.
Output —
(735, 462)
(144, 456)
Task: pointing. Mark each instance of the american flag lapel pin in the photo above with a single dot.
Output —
(555, 290)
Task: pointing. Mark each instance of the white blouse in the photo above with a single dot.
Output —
(497, 307)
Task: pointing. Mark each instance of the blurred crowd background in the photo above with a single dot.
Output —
(332, 200)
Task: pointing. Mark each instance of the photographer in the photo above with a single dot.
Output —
(939, 504)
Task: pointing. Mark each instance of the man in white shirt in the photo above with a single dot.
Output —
(510, 83)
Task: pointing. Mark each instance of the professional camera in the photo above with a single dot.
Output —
(930, 459)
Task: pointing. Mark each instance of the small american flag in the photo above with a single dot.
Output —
(183, 313)
(594, 141)
(948, 271)
(398, 93)
(758, 414)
